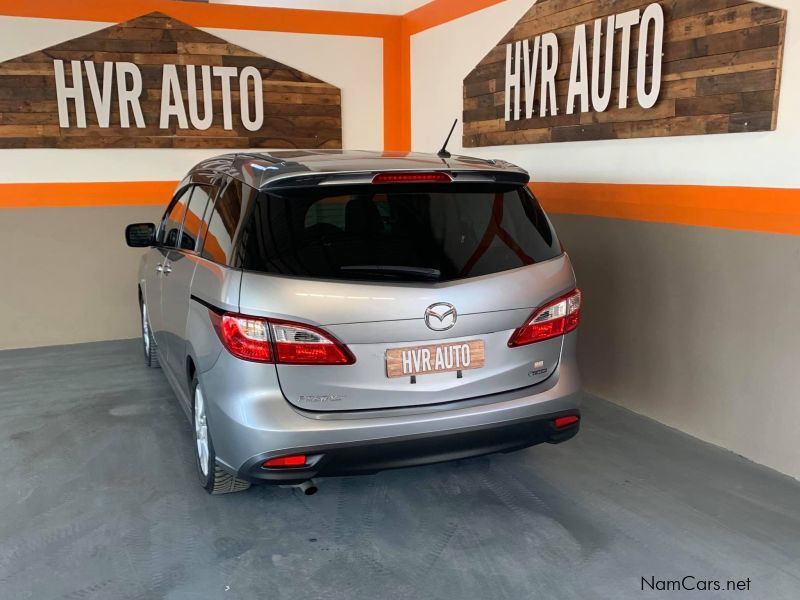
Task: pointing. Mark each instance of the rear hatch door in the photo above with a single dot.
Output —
(424, 284)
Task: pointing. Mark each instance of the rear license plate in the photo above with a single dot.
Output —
(435, 358)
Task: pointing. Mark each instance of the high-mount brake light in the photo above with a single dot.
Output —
(282, 342)
(421, 177)
(554, 319)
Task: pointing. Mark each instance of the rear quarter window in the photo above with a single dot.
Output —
(225, 221)
(193, 220)
(173, 219)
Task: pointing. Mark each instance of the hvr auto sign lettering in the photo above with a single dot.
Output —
(126, 79)
(531, 67)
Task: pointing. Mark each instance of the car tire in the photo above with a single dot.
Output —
(213, 478)
(148, 342)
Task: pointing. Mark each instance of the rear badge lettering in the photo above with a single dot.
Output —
(321, 399)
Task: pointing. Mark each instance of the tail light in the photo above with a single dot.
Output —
(282, 342)
(560, 316)
(246, 337)
(297, 344)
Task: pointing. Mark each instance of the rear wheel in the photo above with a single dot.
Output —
(213, 478)
(148, 344)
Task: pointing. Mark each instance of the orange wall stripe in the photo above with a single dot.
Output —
(769, 210)
(396, 93)
(439, 12)
(199, 14)
(51, 195)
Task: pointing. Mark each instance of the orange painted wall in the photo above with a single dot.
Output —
(769, 210)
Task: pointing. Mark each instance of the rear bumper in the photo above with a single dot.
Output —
(250, 421)
(356, 458)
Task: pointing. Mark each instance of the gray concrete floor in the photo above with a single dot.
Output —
(99, 500)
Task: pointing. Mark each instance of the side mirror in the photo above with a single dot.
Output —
(140, 235)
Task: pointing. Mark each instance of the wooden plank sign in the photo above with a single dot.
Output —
(155, 82)
(578, 70)
(435, 358)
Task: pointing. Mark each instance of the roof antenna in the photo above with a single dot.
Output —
(443, 153)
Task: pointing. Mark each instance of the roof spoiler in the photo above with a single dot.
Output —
(476, 177)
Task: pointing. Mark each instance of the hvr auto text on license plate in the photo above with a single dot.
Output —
(435, 358)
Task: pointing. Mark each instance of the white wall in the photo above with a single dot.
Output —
(441, 57)
(354, 64)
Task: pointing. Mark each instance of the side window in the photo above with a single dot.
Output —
(193, 221)
(218, 245)
(171, 224)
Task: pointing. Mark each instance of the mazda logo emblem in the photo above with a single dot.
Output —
(440, 316)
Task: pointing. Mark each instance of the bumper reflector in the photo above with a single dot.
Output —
(279, 462)
(564, 422)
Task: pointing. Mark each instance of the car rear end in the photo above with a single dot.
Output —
(389, 318)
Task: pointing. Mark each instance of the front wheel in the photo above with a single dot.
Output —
(213, 478)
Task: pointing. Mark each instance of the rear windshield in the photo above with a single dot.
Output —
(405, 233)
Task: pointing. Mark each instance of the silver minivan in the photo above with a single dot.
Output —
(341, 312)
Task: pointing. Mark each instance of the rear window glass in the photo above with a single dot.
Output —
(406, 233)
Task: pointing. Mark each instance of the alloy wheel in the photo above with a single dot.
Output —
(201, 429)
(145, 331)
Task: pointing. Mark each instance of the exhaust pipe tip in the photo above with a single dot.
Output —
(309, 488)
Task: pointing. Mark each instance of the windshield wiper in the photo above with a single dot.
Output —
(422, 272)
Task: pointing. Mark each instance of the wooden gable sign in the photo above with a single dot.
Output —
(573, 70)
(155, 82)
